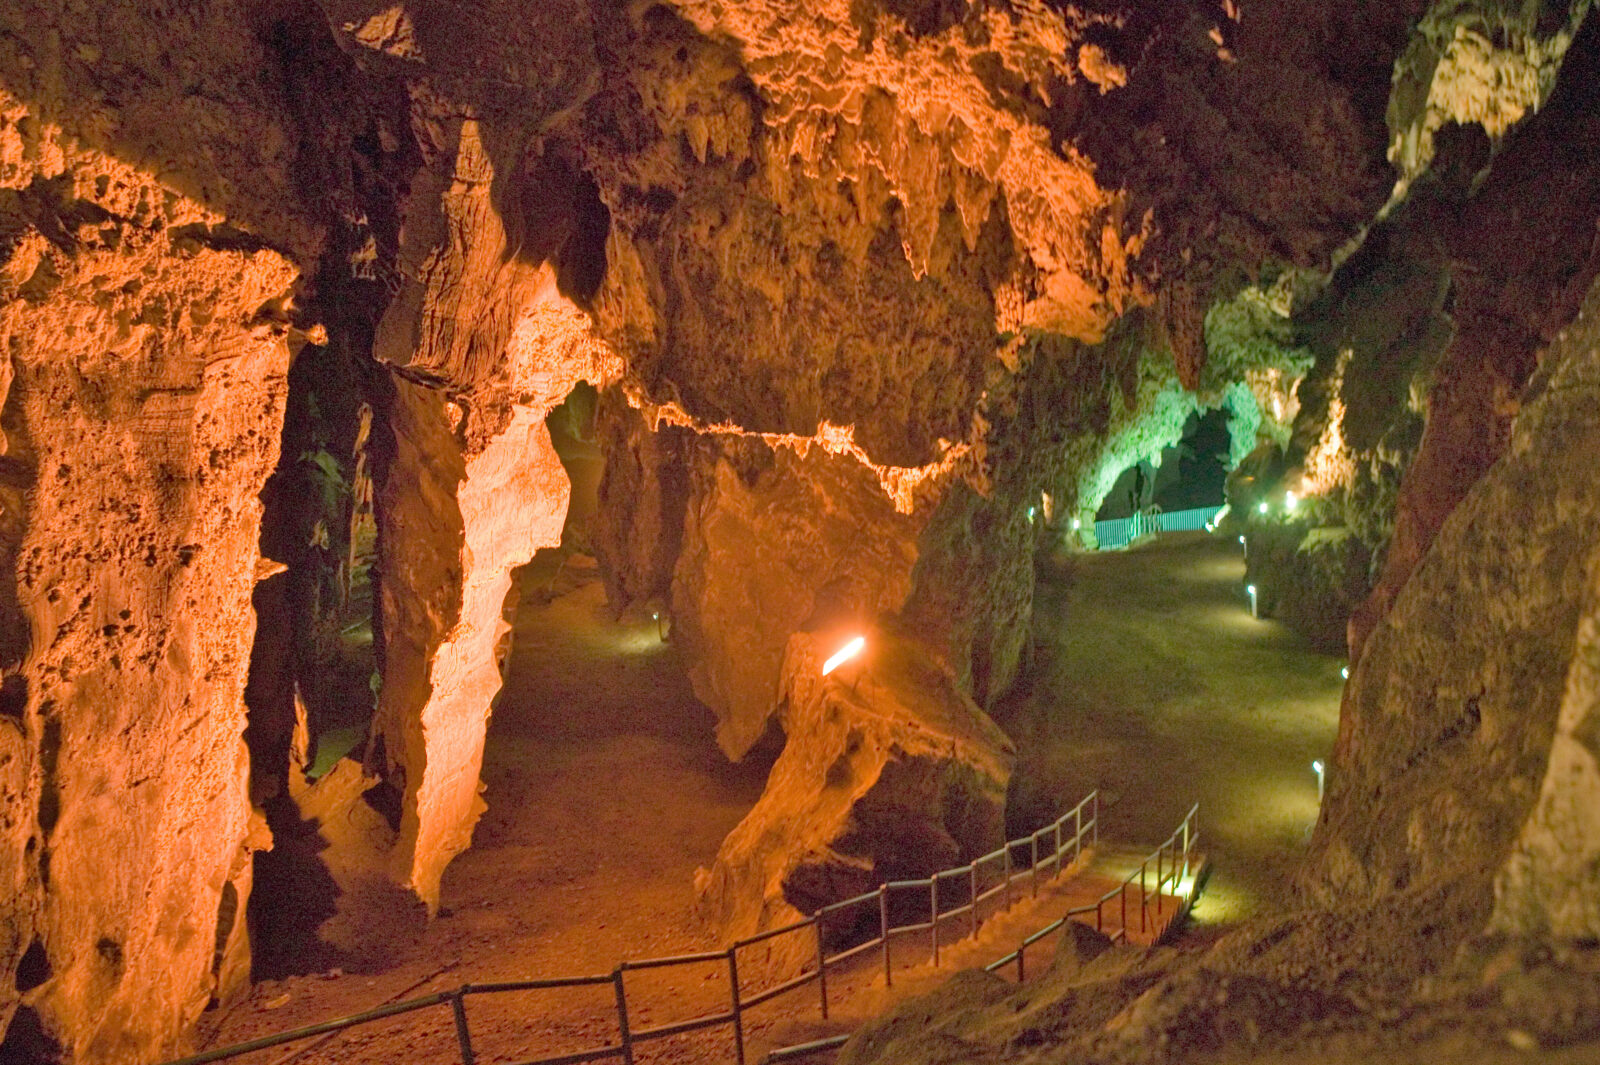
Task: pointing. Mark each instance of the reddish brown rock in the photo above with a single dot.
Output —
(775, 543)
(888, 771)
(1462, 732)
(142, 417)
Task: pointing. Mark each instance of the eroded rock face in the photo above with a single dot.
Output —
(1523, 251)
(1448, 726)
(1549, 885)
(775, 544)
(888, 771)
(462, 504)
(145, 392)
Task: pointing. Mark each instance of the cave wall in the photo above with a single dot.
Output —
(147, 353)
(1447, 731)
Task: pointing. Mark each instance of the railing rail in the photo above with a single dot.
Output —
(1084, 819)
(1118, 532)
(1174, 863)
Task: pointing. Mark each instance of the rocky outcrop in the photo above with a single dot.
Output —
(1522, 254)
(776, 544)
(472, 488)
(147, 350)
(1450, 719)
(1549, 886)
(888, 771)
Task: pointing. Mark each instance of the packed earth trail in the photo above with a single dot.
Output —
(606, 792)
(1152, 682)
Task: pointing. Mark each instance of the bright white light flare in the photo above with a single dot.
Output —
(844, 654)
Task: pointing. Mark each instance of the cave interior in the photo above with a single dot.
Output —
(490, 490)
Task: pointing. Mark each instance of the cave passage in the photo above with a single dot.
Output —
(605, 792)
(1189, 474)
(1153, 683)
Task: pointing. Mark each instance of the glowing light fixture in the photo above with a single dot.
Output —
(844, 654)
(1255, 611)
(1290, 501)
(1030, 513)
(1317, 768)
(1344, 671)
(1076, 524)
(1262, 506)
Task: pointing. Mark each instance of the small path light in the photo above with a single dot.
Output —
(1254, 612)
(1261, 507)
(844, 654)
(1344, 671)
(1317, 767)
(1290, 501)
(1076, 524)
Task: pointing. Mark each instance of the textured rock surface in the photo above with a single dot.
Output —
(146, 361)
(888, 772)
(462, 504)
(848, 256)
(776, 544)
(1550, 884)
(1449, 720)
(1523, 254)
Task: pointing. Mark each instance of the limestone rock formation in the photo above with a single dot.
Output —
(846, 264)
(472, 489)
(146, 348)
(888, 771)
(776, 544)
(1448, 732)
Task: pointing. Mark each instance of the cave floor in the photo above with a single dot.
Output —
(1151, 681)
(605, 792)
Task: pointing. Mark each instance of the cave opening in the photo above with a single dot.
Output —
(1187, 475)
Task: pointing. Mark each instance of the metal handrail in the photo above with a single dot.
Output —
(1186, 831)
(738, 1002)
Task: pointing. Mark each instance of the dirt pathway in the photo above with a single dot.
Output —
(1154, 684)
(605, 792)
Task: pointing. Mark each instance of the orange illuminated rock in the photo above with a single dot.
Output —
(144, 398)
(888, 771)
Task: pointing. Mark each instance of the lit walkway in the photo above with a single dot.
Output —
(1153, 683)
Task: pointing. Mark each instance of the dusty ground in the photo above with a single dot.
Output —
(606, 791)
(1153, 683)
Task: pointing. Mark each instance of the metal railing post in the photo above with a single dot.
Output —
(1097, 817)
(1124, 894)
(822, 966)
(1077, 832)
(1143, 908)
(972, 914)
(1058, 847)
(622, 1016)
(1008, 874)
(883, 924)
(933, 916)
(1160, 853)
(1022, 949)
(1033, 869)
(733, 994)
(458, 1006)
